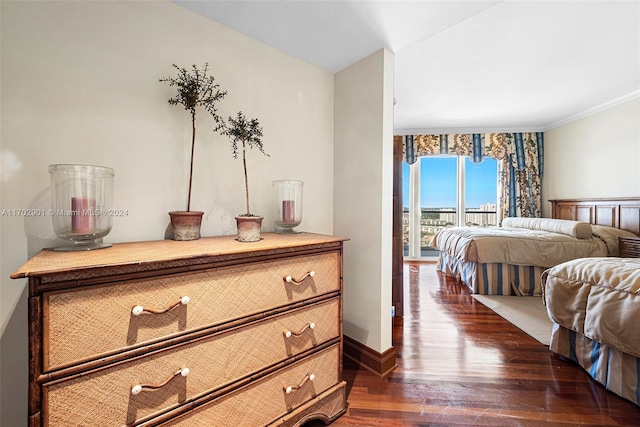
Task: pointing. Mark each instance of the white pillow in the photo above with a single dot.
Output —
(579, 229)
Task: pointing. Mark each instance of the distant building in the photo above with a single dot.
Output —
(484, 216)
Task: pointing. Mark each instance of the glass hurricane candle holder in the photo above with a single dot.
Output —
(81, 200)
(287, 205)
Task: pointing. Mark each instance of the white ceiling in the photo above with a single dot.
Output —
(463, 65)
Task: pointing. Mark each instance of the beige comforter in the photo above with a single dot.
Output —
(519, 246)
(597, 297)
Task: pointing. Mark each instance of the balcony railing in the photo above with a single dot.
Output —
(434, 220)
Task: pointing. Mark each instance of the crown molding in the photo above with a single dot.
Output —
(572, 118)
(597, 109)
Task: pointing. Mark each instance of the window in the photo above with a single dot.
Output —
(446, 191)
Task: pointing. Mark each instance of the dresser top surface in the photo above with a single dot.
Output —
(136, 253)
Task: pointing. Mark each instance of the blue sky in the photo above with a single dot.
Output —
(438, 182)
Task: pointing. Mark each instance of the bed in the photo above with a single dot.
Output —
(594, 304)
(510, 260)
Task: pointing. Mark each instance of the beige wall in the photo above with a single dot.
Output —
(597, 156)
(363, 195)
(80, 85)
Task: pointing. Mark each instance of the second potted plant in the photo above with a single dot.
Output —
(245, 134)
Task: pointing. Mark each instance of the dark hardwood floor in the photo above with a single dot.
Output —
(460, 364)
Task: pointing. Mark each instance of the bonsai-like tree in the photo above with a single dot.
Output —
(194, 88)
(244, 134)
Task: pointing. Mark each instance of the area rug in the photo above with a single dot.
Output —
(527, 313)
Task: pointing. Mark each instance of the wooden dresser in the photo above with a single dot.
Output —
(211, 332)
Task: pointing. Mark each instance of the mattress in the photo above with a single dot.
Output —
(598, 298)
(594, 305)
(511, 245)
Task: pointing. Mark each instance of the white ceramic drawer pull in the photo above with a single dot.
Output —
(310, 325)
(137, 388)
(138, 309)
(290, 279)
(289, 389)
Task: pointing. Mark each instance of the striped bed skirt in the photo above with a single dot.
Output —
(619, 372)
(493, 279)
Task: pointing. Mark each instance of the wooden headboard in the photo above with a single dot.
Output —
(621, 213)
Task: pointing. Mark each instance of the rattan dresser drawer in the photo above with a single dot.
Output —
(212, 362)
(266, 401)
(89, 323)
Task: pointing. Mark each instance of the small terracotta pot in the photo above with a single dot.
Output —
(186, 224)
(249, 228)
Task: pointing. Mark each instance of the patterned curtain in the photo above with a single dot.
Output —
(520, 164)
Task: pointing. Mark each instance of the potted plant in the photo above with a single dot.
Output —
(194, 89)
(245, 134)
